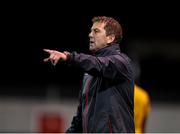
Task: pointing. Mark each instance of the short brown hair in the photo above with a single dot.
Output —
(111, 26)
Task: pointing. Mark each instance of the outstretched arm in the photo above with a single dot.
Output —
(111, 66)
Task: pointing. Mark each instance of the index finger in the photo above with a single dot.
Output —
(48, 50)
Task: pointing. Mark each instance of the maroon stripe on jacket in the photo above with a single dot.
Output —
(86, 107)
(110, 126)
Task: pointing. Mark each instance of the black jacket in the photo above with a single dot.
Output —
(106, 100)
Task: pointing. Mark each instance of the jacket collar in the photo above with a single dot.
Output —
(111, 49)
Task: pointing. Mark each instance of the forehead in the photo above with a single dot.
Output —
(98, 25)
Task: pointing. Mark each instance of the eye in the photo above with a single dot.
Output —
(96, 30)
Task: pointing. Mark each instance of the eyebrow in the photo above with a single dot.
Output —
(95, 29)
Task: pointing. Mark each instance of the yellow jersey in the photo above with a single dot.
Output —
(141, 108)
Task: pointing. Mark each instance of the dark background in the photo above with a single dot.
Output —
(150, 37)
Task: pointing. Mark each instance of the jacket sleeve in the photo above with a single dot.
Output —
(114, 66)
(76, 124)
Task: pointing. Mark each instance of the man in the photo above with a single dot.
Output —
(106, 100)
(142, 108)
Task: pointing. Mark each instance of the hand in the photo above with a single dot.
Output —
(55, 56)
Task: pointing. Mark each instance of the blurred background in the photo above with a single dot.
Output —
(34, 95)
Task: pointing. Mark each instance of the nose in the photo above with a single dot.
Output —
(90, 34)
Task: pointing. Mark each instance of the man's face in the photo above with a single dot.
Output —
(97, 36)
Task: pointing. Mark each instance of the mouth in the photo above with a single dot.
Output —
(91, 42)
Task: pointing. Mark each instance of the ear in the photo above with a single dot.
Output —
(110, 38)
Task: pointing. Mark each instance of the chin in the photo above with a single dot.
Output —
(91, 49)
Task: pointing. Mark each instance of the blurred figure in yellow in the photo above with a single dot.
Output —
(142, 108)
